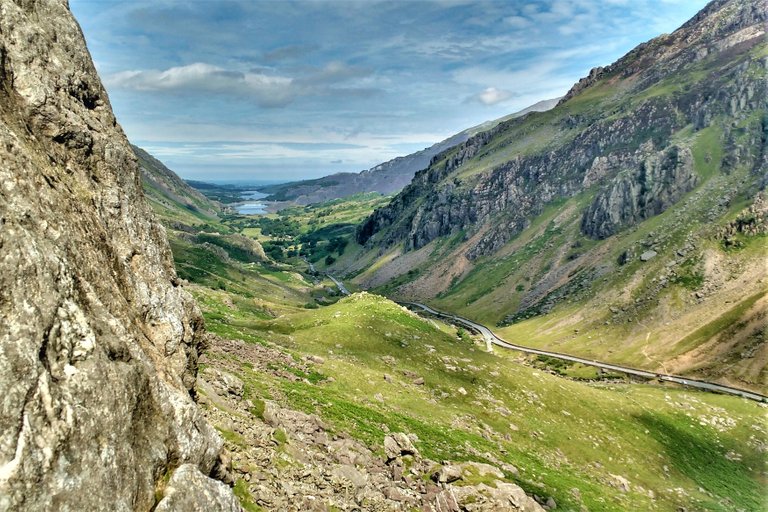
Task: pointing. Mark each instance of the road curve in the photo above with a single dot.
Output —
(490, 337)
(339, 284)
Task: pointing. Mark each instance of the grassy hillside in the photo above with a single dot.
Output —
(599, 444)
(554, 287)
(583, 439)
(170, 197)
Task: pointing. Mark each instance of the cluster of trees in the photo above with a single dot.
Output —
(280, 227)
(279, 250)
(315, 247)
(337, 244)
(308, 245)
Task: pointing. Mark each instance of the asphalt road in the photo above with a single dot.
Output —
(339, 284)
(491, 339)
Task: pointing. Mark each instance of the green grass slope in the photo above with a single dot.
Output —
(171, 198)
(602, 445)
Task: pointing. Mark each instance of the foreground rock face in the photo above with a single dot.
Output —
(98, 343)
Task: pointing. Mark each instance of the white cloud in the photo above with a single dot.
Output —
(517, 22)
(530, 76)
(452, 49)
(491, 96)
(267, 90)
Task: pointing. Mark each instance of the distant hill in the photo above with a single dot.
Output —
(387, 178)
(172, 198)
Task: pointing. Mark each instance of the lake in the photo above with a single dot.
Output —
(250, 207)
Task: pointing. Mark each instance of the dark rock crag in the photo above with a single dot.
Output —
(631, 197)
(98, 342)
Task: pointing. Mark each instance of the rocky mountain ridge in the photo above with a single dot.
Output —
(519, 188)
(98, 341)
(653, 155)
(386, 178)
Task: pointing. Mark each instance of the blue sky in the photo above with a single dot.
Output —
(232, 90)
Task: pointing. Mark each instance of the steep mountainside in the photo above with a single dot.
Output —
(98, 342)
(171, 197)
(387, 178)
(620, 196)
(191, 219)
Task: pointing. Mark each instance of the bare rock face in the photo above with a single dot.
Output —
(98, 344)
(188, 489)
(397, 445)
(656, 184)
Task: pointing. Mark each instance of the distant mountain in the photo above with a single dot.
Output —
(386, 178)
(171, 197)
(626, 223)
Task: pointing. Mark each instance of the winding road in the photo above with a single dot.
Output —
(339, 284)
(492, 339)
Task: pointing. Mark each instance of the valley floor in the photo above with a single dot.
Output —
(343, 403)
(365, 368)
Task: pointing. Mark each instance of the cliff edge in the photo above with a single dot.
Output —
(98, 341)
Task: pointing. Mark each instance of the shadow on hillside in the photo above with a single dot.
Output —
(697, 453)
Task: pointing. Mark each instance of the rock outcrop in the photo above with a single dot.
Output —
(631, 197)
(98, 341)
